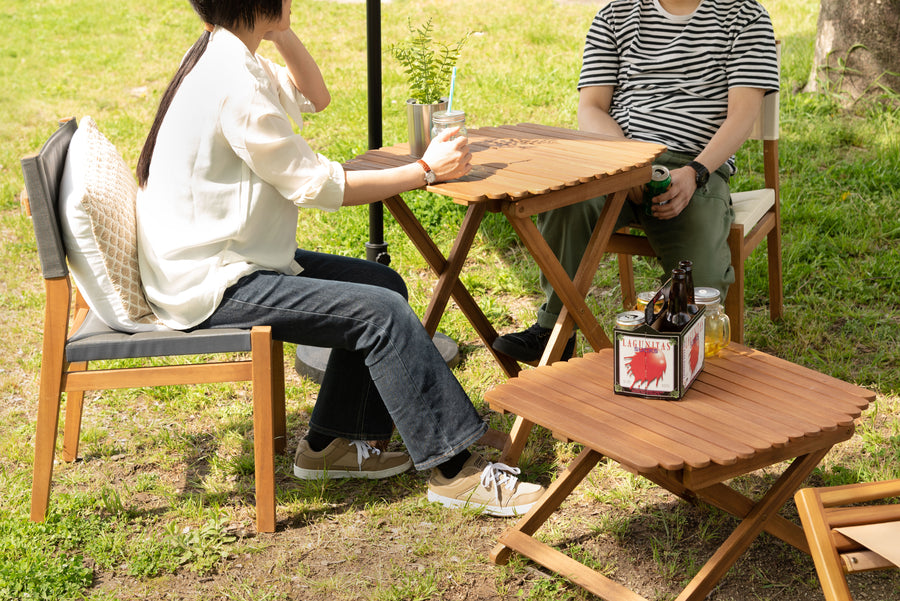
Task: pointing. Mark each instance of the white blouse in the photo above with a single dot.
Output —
(226, 180)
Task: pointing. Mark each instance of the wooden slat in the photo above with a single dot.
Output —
(624, 147)
(697, 479)
(169, 375)
(777, 429)
(567, 567)
(864, 561)
(582, 157)
(840, 517)
(533, 407)
(552, 160)
(783, 366)
(600, 187)
(789, 402)
(652, 439)
(811, 389)
(862, 492)
(696, 416)
(729, 391)
(683, 430)
(760, 415)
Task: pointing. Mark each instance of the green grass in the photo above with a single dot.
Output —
(161, 500)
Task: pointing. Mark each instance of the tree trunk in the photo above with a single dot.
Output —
(858, 49)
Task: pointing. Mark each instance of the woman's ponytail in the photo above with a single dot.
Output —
(190, 60)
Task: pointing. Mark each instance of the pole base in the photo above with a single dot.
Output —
(312, 360)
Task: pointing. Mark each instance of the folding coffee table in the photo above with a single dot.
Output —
(747, 410)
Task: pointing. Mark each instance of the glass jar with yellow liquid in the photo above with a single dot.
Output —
(718, 325)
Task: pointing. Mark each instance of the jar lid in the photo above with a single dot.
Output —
(706, 296)
(448, 116)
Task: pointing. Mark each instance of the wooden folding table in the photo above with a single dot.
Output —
(747, 410)
(523, 170)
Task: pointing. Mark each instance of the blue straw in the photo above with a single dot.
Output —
(452, 83)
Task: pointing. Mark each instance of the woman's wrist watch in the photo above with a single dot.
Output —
(429, 174)
(702, 173)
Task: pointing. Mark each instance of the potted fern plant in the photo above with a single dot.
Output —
(428, 66)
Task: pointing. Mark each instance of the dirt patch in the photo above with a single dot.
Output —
(404, 549)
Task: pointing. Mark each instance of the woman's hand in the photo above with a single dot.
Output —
(304, 71)
(673, 201)
(278, 35)
(449, 159)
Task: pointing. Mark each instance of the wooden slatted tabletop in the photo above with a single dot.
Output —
(743, 403)
(524, 160)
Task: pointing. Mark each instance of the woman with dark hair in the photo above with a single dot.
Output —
(222, 175)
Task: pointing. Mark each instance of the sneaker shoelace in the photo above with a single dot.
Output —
(499, 474)
(363, 451)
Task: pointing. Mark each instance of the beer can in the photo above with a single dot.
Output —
(660, 180)
(644, 298)
(629, 320)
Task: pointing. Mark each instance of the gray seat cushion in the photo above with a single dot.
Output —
(95, 341)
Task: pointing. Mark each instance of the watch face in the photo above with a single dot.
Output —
(429, 177)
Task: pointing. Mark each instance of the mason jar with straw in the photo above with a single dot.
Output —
(449, 119)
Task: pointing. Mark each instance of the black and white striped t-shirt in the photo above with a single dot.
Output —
(672, 73)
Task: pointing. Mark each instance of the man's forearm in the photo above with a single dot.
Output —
(743, 107)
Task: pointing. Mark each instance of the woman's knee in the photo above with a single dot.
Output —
(390, 279)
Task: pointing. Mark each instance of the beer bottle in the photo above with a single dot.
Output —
(688, 267)
(677, 315)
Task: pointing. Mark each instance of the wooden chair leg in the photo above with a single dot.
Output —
(264, 427)
(52, 365)
(518, 436)
(45, 443)
(74, 410)
(278, 407)
(626, 280)
(734, 301)
(776, 290)
(825, 556)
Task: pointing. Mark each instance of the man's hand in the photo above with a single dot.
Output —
(673, 201)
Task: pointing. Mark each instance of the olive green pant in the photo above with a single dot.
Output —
(699, 234)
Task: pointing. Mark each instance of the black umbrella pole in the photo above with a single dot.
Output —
(376, 247)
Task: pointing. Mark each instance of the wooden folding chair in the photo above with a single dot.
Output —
(824, 510)
(757, 217)
(67, 353)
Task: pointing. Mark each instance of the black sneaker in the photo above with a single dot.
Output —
(529, 344)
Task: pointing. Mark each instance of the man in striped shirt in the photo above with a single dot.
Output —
(690, 74)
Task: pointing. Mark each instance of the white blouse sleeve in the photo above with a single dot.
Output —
(257, 127)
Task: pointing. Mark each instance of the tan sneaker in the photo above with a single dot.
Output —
(493, 487)
(347, 459)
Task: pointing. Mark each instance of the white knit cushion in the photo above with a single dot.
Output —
(96, 203)
(750, 206)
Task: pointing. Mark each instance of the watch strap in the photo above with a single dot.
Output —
(429, 174)
(701, 171)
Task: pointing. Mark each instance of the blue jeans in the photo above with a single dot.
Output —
(383, 366)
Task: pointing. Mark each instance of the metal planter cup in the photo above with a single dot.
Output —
(418, 119)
